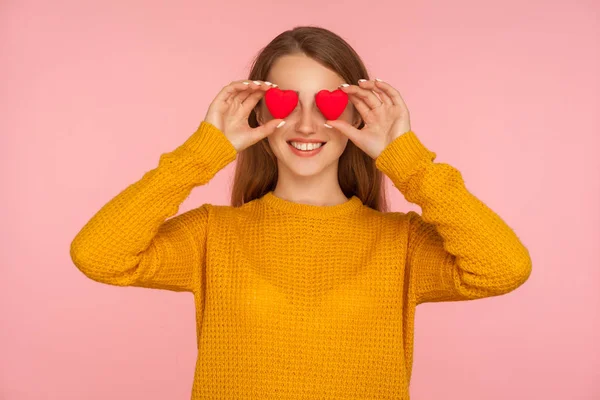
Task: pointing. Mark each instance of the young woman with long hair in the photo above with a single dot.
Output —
(306, 285)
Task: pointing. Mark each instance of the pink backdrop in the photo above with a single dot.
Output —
(507, 92)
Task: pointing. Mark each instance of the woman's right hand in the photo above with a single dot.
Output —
(231, 108)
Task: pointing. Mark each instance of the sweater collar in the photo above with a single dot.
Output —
(309, 210)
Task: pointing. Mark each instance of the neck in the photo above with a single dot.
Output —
(320, 190)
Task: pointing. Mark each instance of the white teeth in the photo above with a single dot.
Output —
(306, 146)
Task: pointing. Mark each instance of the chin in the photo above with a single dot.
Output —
(304, 171)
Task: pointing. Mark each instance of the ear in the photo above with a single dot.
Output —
(357, 119)
(259, 115)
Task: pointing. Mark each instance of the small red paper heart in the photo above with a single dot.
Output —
(332, 104)
(280, 102)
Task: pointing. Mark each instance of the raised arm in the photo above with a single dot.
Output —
(458, 249)
(130, 242)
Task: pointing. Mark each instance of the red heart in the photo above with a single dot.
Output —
(332, 104)
(281, 102)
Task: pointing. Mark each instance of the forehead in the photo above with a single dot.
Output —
(303, 74)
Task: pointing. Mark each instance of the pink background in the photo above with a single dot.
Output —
(507, 92)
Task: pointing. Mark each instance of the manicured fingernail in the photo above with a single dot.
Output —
(328, 126)
(362, 80)
(256, 82)
(378, 80)
(274, 85)
(246, 83)
(268, 83)
(281, 124)
(344, 85)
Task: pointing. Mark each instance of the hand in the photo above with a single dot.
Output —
(385, 119)
(231, 108)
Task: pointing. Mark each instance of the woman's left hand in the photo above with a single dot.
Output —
(385, 119)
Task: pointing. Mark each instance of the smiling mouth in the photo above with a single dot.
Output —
(306, 150)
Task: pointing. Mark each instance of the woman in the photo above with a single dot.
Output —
(306, 286)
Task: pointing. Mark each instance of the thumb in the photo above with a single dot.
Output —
(344, 127)
(268, 128)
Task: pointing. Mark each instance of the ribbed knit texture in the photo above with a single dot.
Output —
(297, 301)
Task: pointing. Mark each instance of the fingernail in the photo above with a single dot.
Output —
(362, 80)
(378, 80)
(256, 82)
(246, 83)
(268, 83)
(328, 126)
(281, 124)
(274, 85)
(344, 85)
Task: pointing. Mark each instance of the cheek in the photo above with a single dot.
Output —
(339, 141)
(276, 141)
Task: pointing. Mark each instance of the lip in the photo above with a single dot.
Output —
(301, 140)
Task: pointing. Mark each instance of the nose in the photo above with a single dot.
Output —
(308, 121)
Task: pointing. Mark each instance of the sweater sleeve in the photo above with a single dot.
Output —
(130, 242)
(458, 249)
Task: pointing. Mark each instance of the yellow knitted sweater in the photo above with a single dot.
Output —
(297, 301)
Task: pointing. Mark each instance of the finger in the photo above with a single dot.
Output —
(231, 89)
(253, 86)
(370, 85)
(366, 95)
(239, 96)
(345, 128)
(263, 85)
(362, 107)
(250, 102)
(265, 130)
(391, 92)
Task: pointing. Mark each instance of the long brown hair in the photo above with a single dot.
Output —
(256, 167)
